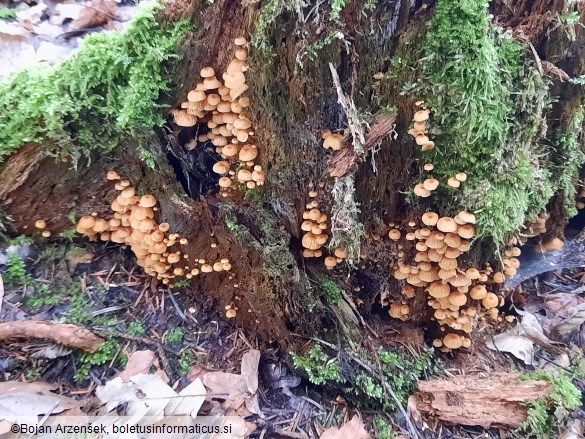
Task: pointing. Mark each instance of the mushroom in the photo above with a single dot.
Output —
(453, 341)
(430, 218)
(394, 234)
(447, 225)
(420, 191)
(330, 262)
(453, 182)
(40, 224)
(221, 167)
(421, 115)
(431, 184)
(231, 313)
(184, 119)
(248, 153)
(112, 175)
(490, 301)
(333, 141)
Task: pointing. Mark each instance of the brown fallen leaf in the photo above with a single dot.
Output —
(353, 429)
(64, 333)
(139, 362)
(238, 392)
(96, 13)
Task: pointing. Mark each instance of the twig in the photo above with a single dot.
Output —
(179, 311)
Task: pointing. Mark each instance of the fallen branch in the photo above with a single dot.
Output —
(497, 401)
(63, 333)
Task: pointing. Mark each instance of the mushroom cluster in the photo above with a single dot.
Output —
(314, 224)
(218, 104)
(419, 129)
(41, 224)
(455, 293)
(332, 141)
(133, 224)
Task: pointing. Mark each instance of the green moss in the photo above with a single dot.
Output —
(336, 8)
(7, 13)
(105, 92)
(174, 335)
(320, 368)
(16, 275)
(544, 413)
(488, 100)
(106, 353)
(271, 10)
(332, 291)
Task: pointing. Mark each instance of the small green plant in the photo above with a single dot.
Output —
(551, 410)
(332, 291)
(147, 157)
(16, 275)
(336, 8)
(105, 353)
(137, 329)
(7, 13)
(185, 362)
(383, 429)
(320, 368)
(182, 283)
(174, 335)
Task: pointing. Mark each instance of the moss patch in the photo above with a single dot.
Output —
(488, 102)
(105, 92)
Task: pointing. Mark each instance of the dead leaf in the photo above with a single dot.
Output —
(519, 340)
(571, 324)
(96, 13)
(51, 352)
(18, 398)
(575, 430)
(354, 429)
(235, 390)
(149, 396)
(139, 362)
(78, 256)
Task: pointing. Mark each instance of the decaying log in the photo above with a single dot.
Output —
(63, 333)
(497, 401)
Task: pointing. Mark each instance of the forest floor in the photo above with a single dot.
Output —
(97, 287)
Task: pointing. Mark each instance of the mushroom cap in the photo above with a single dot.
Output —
(453, 182)
(40, 224)
(225, 182)
(453, 341)
(207, 72)
(196, 96)
(421, 139)
(420, 191)
(248, 153)
(333, 141)
(458, 299)
(430, 218)
(244, 175)
(184, 119)
(330, 262)
(112, 175)
(431, 184)
(461, 176)
(421, 115)
(466, 217)
(490, 301)
(447, 225)
(221, 167)
(438, 290)
(240, 41)
(394, 234)
(428, 167)
(231, 313)
(466, 231)
(147, 201)
(310, 241)
(86, 222)
(340, 252)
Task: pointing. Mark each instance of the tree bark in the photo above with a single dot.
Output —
(292, 103)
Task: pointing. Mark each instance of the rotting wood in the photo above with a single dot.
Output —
(63, 333)
(497, 401)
